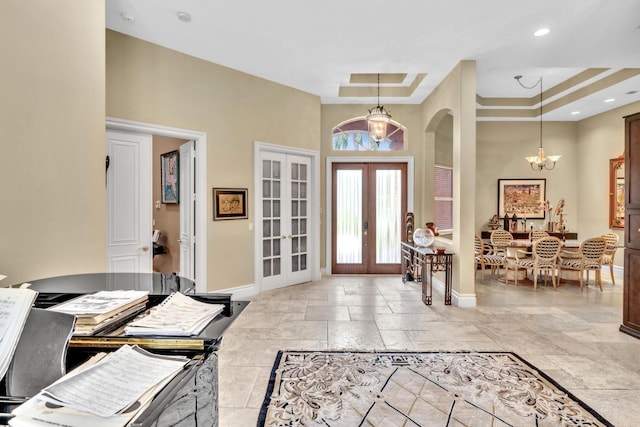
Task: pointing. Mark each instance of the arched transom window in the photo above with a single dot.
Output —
(352, 135)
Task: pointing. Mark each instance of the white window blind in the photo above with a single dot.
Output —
(443, 197)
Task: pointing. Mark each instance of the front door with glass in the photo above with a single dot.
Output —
(369, 201)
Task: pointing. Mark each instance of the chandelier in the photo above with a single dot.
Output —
(540, 161)
(377, 120)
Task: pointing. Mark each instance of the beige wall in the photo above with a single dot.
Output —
(151, 84)
(52, 215)
(502, 147)
(166, 216)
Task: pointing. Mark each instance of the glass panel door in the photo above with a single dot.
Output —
(271, 217)
(388, 216)
(349, 216)
(368, 206)
(284, 224)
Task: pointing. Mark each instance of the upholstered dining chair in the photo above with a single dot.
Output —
(591, 253)
(610, 252)
(484, 257)
(500, 241)
(543, 259)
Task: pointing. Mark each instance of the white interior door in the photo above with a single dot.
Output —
(187, 209)
(129, 203)
(284, 223)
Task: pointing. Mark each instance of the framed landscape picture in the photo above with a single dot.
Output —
(524, 197)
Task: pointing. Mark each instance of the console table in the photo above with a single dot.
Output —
(421, 263)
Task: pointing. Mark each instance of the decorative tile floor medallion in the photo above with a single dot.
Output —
(416, 389)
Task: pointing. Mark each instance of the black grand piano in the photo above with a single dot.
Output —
(191, 398)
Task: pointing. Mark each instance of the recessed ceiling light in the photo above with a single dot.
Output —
(128, 18)
(184, 16)
(575, 113)
(609, 100)
(541, 32)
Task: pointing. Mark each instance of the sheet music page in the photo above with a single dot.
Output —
(115, 382)
(15, 305)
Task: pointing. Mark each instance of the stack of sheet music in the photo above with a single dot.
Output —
(15, 305)
(103, 310)
(109, 390)
(177, 315)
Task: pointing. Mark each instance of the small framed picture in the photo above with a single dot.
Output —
(170, 171)
(229, 203)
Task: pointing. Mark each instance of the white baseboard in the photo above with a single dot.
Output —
(239, 292)
(463, 300)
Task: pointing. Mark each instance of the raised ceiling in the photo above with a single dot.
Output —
(336, 48)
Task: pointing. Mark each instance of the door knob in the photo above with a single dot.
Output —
(145, 248)
(283, 237)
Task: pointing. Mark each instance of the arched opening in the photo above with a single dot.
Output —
(353, 135)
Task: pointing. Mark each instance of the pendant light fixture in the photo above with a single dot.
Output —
(377, 120)
(540, 161)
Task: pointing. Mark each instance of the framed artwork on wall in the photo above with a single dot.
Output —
(170, 172)
(524, 197)
(229, 203)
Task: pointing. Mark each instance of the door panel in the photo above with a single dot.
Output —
(284, 223)
(129, 246)
(368, 204)
(187, 210)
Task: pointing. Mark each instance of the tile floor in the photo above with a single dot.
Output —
(570, 335)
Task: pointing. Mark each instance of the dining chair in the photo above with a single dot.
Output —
(500, 241)
(543, 259)
(537, 234)
(484, 257)
(591, 254)
(609, 255)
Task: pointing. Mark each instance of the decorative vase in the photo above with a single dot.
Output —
(423, 237)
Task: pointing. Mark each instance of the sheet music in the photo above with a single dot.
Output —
(99, 302)
(177, 315)
(15, 305)
(115, 382)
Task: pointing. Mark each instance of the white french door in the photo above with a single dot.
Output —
(284, 223)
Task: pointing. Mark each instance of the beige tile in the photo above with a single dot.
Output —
(327, 313)
(571, 336)
(354, 335)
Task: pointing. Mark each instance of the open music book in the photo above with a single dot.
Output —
(178, 315)
(15, 305)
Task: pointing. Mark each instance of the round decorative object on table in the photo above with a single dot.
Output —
(423, 237)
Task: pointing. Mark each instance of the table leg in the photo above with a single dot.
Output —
(426, 282)
(447, 282)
